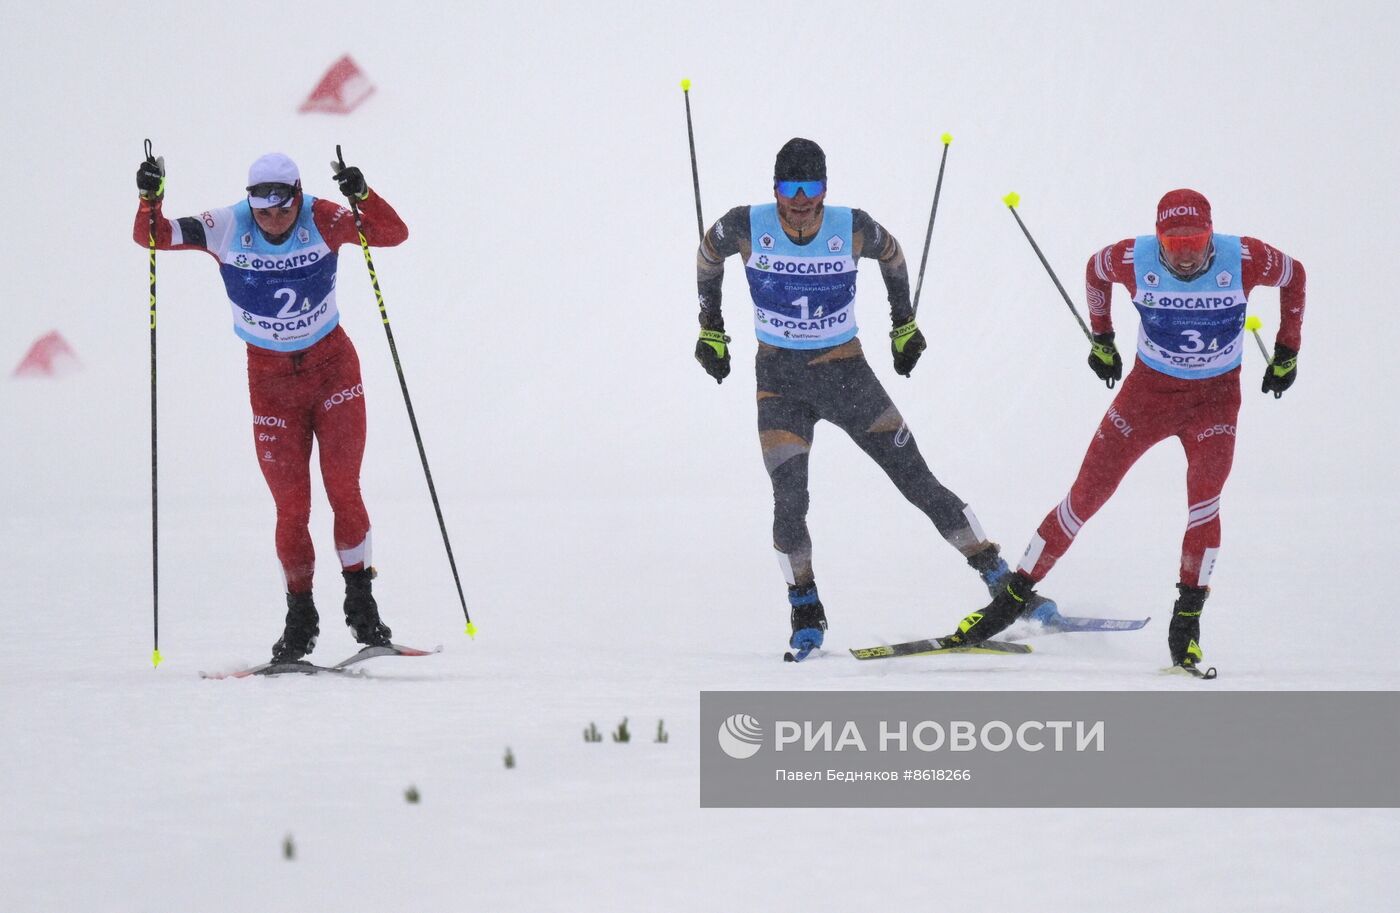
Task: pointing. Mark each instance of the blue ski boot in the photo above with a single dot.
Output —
(1042, 611)
(990, 567)
(808, 619)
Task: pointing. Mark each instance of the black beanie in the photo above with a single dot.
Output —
(800, 160)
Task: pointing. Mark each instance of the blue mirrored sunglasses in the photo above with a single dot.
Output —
(790, 189)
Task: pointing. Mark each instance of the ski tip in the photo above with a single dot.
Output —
(685, 85)
(1012, 199)
(1253, 323)
(947, 139)
(156, 658)
(220, 676)
(471, 630)
(398, 650)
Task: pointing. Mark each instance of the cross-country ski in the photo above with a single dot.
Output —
(302, 667)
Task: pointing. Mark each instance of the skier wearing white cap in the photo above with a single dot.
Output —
(276, 251)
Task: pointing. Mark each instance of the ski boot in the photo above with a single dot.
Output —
(1184, 635)
(992, 569)
(361, 611)
(1042, 611)
(303, 626)
(808, 618)
(1008, 603)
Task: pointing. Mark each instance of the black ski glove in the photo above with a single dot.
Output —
(351, 181)
(1104, 360)
(150, 178)
(712, 351)
(907, 343)
(1282, 371)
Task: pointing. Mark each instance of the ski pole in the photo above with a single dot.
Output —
(155, 514)
(1253, 324)
(403, 385)
(937, 189)
(694, 168)
(1012, 200)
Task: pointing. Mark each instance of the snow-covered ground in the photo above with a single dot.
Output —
(607, 503)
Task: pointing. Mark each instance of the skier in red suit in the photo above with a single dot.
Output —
(1191, 287)
(276, 252)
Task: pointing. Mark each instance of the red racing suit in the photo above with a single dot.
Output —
(303, 371)
(1151, 406)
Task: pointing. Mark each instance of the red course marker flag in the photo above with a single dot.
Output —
(340, 91)
(48, 357)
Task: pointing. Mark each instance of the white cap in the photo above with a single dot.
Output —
(273, 168)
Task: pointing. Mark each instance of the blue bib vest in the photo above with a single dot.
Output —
(803, 295)
(1195, 328)
(283, 295)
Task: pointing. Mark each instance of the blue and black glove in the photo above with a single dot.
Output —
(150, 179)
(1104, 360)
(1282, 371)
(712, 351)
(907, 343)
